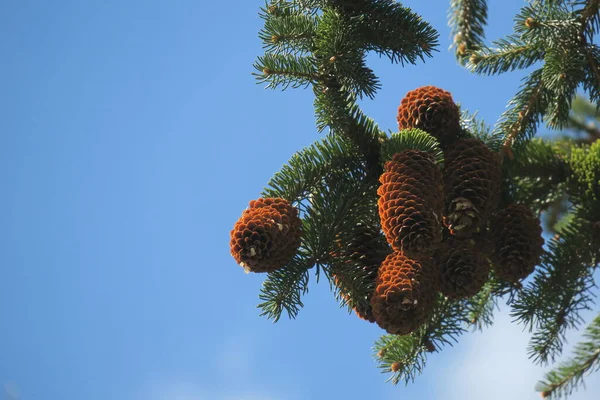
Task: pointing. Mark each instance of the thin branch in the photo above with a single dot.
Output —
(592, 61)
(591, 8)
(524, 115)
(573, 375)
(311, 77)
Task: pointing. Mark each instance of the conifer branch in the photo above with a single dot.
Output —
(467, 20)
(411, 139)
(551, 303)
(325, 213)
(284, 288)
(563, 71)
(589, 13)
(289, 32)
(561, 382)
(585, 182)
(510, 54)
(593, 62)
(325, 43)
(337, 110)
(524, 116)
(390, 29)
(537, 175)
(307, 168)
(405, 355)
(481, 307)
(285, 70)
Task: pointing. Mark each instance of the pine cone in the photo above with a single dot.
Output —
(518, 242)
(411, 202)
(464, 270)
(430, 109)
(365, 250)
(405, 294)
(472, 186)
(266, 236)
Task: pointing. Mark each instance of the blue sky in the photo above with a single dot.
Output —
(132, 136)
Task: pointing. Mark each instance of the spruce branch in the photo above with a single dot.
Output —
(590, 19)
(289, 33)
(481, 307)
(467, 21)
(562, 73)
(525, 112)
(537, 175)
(342, 56)
(472, 126)
(329, 209)
(562, 381)
(508, 55)
(284, 288)
(325, 213)
(285, 70)
(305, 171)
(547, 26)
(411, 139)
(551, 303)
(396, 32)
(389, 29)
(591, 83)
(336, 108)
(353, 261)
(405, 355)
(585, 182)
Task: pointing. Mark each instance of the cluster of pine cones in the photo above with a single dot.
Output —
(443, 226)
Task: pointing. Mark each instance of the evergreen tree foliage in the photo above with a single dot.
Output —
(323, 45)
(569, 375)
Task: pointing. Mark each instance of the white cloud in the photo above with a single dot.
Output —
(494, 365)
(12, 391)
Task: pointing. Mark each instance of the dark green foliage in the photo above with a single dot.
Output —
(551, 303)
(324, 44)
(449, 320)
(585, 186)
(443, 328)
(307, 168)
(411, 139)
(283, 289)
(508, 54)
(536, 176)
(467, 20)
(569, 375)
(558, 36)
(389, 29)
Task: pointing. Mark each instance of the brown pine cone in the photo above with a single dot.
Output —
(410, 202)
(405, 294)
(464, 270)
(518, 242)
(266, 236)
(472, 186)
(365, 249)
(430, 109)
